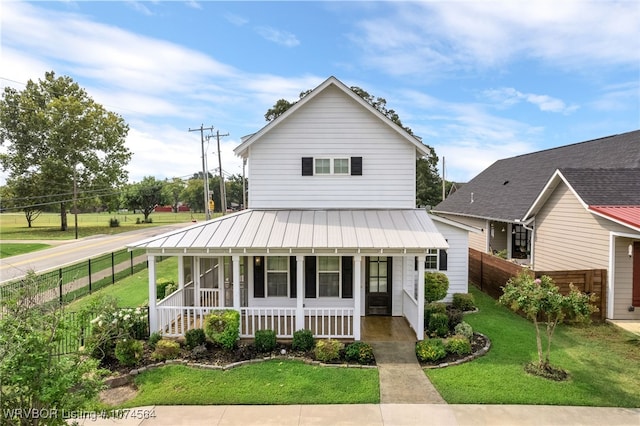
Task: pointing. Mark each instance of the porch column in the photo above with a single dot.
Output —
(420, 319)
(299, 292)
(221, 284)
(196, 281)
(236, 282)
(180, 272)
(357, 263)
(153, 313)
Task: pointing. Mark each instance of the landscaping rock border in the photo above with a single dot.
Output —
(127, 379)
(477, 354)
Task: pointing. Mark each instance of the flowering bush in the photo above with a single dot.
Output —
(540, 300)
(115, 324)
(430, 350)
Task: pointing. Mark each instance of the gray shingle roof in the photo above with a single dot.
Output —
(605, 187)
(506, 189)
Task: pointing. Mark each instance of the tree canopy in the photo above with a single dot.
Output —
(146, 195)
(428, 181)
(55, 133)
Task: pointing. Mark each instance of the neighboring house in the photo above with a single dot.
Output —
(576, 207)
(332, 232)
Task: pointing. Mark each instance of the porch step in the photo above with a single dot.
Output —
(402, 380)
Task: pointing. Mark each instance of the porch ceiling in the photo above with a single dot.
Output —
(304, 231)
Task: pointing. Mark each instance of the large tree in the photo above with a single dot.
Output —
(428, 181)
(54, 132)
(145, 195)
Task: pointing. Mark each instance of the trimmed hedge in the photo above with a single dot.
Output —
(222, 327)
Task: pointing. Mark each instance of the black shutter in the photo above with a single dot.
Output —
(442, 262)
(347, 277)
(293, 277)
(310, 277)
(356, 166)
(258, 276)
(307, 166)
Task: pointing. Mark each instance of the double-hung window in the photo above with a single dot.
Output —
(431, 262)
(277, 276)
(329, 276)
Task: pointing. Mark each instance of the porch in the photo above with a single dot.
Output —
(174, 319)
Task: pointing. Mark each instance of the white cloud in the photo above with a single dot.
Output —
(437, 37)
(283, 38)
(235, 19)
(509, 96)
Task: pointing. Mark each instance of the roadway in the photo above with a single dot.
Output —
(66, 252)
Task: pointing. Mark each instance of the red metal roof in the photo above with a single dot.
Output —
(629, 215)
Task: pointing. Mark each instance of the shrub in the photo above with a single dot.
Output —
(223, 327)
(436, 285)
(154, 338)
(113, 324)
(129, 351)
(438, 325)
(194, 337)
(464, 301)
(138, 221)
(328, 350)
(170, 288)
(302, 340)
(454, 316)
(432, 308)
(161, 288)
(464, 329)
(458, 345)
(430, 350)
(360, 352)
(166, 349)
(265, 340)
(114, 222)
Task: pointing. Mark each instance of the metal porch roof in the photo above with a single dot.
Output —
(304, 231)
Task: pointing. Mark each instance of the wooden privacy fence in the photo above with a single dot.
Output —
(491, 273)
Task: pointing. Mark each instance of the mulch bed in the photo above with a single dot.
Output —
(480, 345)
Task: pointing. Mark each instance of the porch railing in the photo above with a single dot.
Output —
(329, 322)
(209, 297)
(323, 322)
(280, 320)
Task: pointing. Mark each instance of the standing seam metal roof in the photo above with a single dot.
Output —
(305, 230)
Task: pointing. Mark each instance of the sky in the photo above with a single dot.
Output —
(478, 81)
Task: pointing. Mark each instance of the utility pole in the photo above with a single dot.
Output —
(223, 192)
(205, 173)
(444, 192)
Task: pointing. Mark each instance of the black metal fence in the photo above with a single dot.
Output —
(63, 285)
(78, 328)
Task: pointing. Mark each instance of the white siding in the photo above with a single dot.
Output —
(476, 241)
(457, 258)
(568, 237)
(623, 282)
(332, 125)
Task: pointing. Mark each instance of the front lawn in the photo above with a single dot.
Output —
(603, 363)
(269, 382)
(132, 291)
(14, 249)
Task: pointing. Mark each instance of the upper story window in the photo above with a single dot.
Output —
(331, 166)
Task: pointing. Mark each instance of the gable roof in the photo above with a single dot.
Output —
(242, 149)
(507, 189)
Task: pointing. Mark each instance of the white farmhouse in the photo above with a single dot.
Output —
(331, 234)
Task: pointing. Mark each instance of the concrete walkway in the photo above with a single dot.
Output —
(402, 380)
(371, 415)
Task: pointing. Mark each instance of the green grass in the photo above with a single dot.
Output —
(132, 291)
(13, 226)
(269, 382)
(13, 249)
(603, 364)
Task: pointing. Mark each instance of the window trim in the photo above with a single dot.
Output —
(339, 272)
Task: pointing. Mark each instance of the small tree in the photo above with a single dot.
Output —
(33, 376)
(540, 300)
